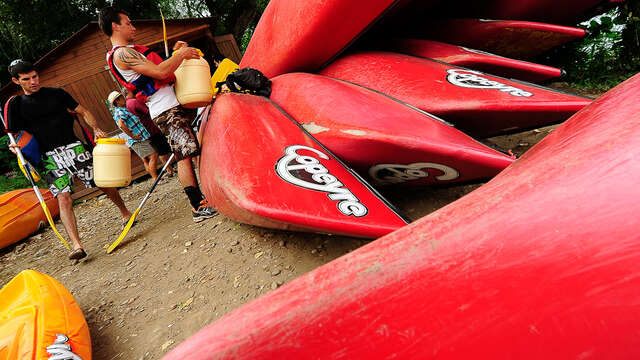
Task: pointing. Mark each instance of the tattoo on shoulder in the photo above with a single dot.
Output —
(130, 57)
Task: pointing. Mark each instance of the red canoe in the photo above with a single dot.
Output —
(551, 11)
(540, 263)
(304, 35)
(383, 139)
(473, 59)
(480, 105)
(515, 39)
(259, 167)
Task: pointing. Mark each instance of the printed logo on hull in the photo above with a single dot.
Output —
(472, 80)
(307, 172)
(397, 173)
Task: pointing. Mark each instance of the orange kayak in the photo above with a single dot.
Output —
(37, 312)
(21, 214)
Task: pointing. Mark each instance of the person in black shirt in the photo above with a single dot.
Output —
(45, 113)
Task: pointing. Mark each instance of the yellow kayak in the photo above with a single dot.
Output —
(40, 319)
(21, 214)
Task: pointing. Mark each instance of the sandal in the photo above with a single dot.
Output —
(77, 254)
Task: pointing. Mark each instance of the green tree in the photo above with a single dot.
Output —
(608, 54)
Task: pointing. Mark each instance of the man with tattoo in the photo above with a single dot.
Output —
(149, 77)
(44, 112)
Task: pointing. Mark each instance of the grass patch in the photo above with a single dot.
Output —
(9, 183)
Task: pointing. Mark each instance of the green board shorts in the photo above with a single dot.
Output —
(64, 162)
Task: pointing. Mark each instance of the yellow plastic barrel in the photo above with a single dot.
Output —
(111, 163)
(192, 86)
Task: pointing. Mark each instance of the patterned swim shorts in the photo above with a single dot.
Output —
(175, 124)
(61, 163)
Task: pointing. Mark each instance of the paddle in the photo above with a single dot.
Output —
(164, 36)
(135, 213)
(37, 191)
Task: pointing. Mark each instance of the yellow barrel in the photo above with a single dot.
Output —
(111, 163)
(193, 87)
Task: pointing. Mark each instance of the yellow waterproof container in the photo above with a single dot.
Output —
(111, 163)
(225, 68)
(192, 86)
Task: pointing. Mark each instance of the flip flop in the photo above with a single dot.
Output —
(77, 254)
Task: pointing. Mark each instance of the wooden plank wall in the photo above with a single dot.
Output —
(228, 47)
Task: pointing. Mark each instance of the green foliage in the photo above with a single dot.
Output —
(16, 182)
(8, 164)
(605, 57)
(7, 159)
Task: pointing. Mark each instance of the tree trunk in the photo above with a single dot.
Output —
(631, 33)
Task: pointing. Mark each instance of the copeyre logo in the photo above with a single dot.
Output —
(307, 172)
(399, 173)
(472, 79)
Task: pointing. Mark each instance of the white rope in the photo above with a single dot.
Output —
(60, 350)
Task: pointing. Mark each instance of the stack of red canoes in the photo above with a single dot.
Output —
(398, 111)
(538, 263)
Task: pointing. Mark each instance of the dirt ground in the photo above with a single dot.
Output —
(170, 277)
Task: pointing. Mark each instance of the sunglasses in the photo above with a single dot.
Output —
(15, 62)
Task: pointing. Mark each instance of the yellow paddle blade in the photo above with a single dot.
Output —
(164, 36)
(34, 174)
(124, 232)
(50, 219)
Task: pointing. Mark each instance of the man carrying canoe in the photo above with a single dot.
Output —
(150, 78)
(45, 113)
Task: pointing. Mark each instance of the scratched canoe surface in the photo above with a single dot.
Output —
(479, 104)
(386, 141)
(259, 167)
(539, 263)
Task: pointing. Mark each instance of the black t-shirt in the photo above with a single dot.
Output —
(44, 114)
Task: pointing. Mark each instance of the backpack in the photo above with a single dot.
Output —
(250, 81)
(27, 143)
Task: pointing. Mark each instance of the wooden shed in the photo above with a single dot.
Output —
(78, 65)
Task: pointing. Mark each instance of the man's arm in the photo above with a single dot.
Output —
(126, 130)
(88, 117)
(127, 58)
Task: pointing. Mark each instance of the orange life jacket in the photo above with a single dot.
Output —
(144, 85)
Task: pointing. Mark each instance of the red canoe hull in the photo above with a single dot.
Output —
(304, 35)
(515, 39)
(551, 11)
(478, 104)
(540, 263)
(259, 167)
(384, 140)
(474, 59)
